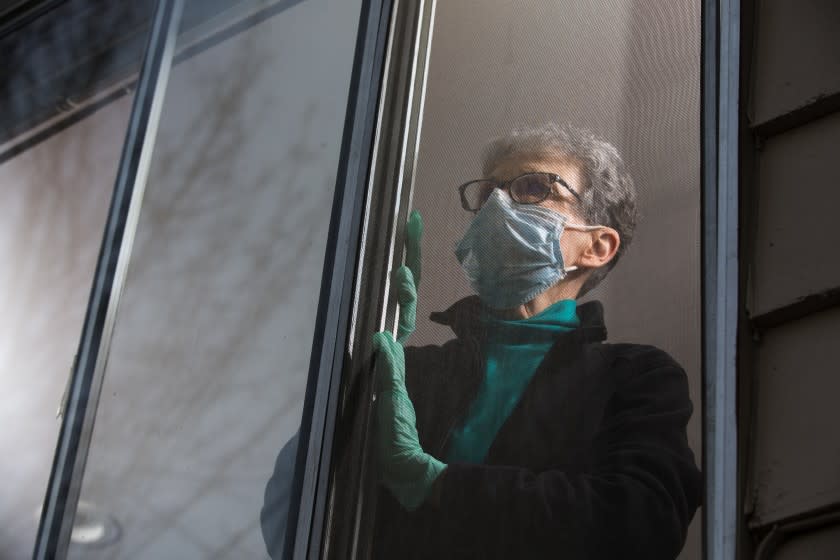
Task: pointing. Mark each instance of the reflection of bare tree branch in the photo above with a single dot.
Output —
(207, 215)
(53, 210)
(54, 201)
(87, 53)
(228, 233)
(75, 49)
(205, 157)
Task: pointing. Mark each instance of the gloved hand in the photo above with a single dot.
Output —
(407, 471)
(407, 277)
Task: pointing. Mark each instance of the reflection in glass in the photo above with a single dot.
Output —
(59, 151)
(209, 358)
(54, 200)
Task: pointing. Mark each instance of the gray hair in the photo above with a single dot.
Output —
(608, 198)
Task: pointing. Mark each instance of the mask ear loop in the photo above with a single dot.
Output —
(578, 227)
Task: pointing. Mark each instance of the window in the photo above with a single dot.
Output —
(630, 74)
(202, 369)
(57, 173)
(552, 406)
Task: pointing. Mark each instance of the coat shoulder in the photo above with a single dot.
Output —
(644, 356)
(647, 369)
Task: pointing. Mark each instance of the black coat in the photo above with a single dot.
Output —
(592, 463)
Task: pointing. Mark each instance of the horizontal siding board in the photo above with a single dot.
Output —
(797, 55)
(797, 218)
(796, 460)
(823, 544)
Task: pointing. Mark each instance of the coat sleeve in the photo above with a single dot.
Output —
(275, 510)
(636, 500)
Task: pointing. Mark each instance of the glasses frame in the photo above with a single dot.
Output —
(555, 178)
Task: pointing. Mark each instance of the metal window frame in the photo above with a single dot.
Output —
(720, 61)
(377, 186)
(65, 481)
(346, 512)
(720, 67)
(308, 504)
(56, 97)
(87, 376)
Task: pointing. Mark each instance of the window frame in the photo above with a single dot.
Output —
(719, 137)
(62, 495)
(64, 486)
(721, 300)
(349, 487)
(308, 503)
(385, 102)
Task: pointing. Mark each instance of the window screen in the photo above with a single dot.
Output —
(547, 402)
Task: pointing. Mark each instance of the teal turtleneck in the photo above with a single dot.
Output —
(512, 349)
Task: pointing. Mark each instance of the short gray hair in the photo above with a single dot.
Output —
(609, 197)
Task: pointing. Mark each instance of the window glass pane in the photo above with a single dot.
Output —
(210, 352)
(539, 434)
(61, 131)
(54, 200)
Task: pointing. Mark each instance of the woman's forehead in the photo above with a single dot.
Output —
(516, 164)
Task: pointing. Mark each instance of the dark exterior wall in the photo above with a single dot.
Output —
(790, 203)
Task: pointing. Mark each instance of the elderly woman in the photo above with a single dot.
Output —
(528, 436)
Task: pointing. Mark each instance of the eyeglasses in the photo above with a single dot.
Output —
(530, 188)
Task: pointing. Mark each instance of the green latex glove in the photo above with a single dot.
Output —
(407, 471)
(407, 277)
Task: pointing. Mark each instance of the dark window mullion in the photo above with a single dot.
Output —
(720, 148)
(74, 436)
(309, 488)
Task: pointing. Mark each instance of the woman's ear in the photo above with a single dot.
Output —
(603, 246)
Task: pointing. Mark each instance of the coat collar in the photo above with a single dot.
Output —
(463, 317)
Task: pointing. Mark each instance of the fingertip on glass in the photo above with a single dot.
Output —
(403, 275)
(415, 217)
(415, 224)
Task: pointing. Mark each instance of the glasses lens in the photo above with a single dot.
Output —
(475, 194)
(531, 189)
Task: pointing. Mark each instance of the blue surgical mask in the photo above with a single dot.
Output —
(511, 251)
